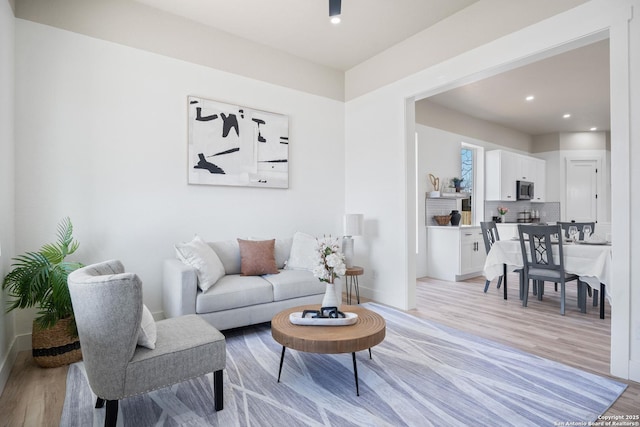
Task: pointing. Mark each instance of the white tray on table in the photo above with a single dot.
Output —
(297, 319)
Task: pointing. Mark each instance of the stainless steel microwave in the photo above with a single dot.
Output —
(524, 190)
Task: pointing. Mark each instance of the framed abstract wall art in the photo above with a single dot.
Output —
(234, 145)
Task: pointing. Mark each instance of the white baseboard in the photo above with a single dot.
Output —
(634, 370)
(19, 343)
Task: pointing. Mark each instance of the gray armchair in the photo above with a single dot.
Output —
(107, 304)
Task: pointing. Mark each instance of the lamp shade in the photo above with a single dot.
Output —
(353, 224)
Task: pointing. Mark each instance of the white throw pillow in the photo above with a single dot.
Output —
(199, 255)
(303, 252)
(148, 333)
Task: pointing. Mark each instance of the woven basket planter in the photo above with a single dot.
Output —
(55, 346)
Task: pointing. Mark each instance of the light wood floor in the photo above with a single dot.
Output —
(34, 396)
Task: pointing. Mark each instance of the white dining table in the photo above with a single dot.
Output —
(592, 263)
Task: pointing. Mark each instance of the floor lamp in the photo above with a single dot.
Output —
(352, 227)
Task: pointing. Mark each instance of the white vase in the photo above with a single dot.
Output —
(330, 298)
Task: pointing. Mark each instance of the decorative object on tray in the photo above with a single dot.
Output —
(457, 183)
(40, 279)
(326, 316)
(502, 211)
(435, 181)
(442, 219)
(329, 265)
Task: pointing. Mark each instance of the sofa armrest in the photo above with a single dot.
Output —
(179, 288)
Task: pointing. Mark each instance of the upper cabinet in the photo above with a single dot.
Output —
(504, 168)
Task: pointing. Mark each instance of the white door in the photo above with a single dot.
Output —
(582, 190)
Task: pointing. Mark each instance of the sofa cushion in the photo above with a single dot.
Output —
(229, 253)
(200, 256)
(282, 250)
(303, 254)
(294, 283)
(148, 332)
(257, 257)
(233, 291)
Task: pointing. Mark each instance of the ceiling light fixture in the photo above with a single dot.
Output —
(335, 9)
(530, 98)
(592, 129)
(566, 116)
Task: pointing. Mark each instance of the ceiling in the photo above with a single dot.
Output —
(575, 82)
(302, 27)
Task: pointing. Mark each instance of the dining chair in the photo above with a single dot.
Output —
(580, 225)
(490, 235)
(543, 242)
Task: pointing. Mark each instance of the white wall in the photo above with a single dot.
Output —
(6, 180)
(101, 136)
(380, 153)
(433, 115)
(134, 24)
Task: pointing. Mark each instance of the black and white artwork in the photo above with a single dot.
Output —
(233, 145)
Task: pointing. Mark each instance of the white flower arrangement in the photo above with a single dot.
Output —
(329, 260)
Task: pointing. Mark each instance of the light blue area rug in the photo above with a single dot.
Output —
(422, 374)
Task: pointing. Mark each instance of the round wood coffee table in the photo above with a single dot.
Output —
(368, 331)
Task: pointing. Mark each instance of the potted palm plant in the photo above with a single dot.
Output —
(40, 279)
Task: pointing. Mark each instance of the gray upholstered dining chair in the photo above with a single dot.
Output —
(540, 265)
(580, 225)
(490, 235)
(108, 308)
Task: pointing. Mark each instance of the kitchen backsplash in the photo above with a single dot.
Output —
(549, 212)
(438, 206)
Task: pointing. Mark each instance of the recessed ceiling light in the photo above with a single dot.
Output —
(530, 98)
(335, 20)
(593, 128)
(566, 116)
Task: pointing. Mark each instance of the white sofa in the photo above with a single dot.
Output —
(235, 300)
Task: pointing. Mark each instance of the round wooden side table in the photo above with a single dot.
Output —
(352, 281)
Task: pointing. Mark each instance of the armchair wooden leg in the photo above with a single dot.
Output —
(99, 403)
(218, 397)
(111, 416)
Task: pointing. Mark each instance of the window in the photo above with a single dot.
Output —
(466, 168)
(472, 171)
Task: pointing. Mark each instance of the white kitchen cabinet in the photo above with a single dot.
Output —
(473, 254)
(540, 181)
(500, 172)
(504, 168)
(455, 253)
